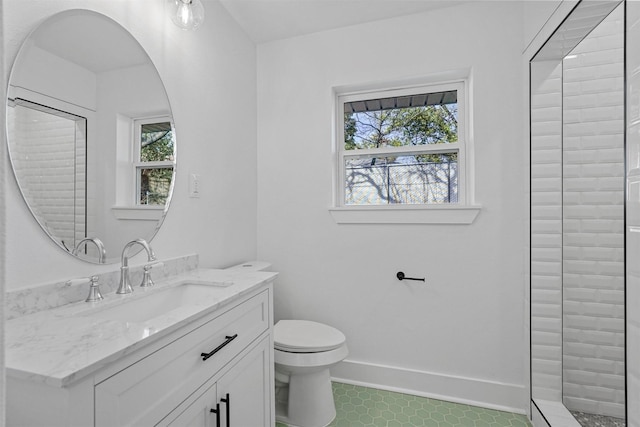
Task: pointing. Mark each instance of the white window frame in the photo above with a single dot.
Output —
(460, 212)
(138, 165)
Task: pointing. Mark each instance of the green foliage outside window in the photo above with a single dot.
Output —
(417, 174)
(400, 127)
(156, 145)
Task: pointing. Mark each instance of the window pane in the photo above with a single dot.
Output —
(155, 184)
(406, 179)
(430, 118)
(156, 142)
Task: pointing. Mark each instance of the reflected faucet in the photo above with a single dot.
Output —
(102, 252)
(125, 283)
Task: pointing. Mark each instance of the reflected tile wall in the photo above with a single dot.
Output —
(633, 214)
(546, 230)
(593, 221)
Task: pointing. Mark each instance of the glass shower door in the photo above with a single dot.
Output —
(633, 213)
(578, 244)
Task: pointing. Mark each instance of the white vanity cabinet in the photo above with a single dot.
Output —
(222, 360)
(236, 398)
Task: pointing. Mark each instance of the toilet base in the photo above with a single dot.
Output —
(309, 400)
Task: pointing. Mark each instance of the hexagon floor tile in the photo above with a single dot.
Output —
(363, 406)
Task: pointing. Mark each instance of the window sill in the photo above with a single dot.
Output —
(405, 214)
(140, 213)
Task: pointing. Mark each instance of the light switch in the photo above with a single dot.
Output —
(194, 185)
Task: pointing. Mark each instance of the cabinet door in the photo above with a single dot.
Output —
(245, 391)
(198, 414)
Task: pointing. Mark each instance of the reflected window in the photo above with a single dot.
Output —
(155, 160)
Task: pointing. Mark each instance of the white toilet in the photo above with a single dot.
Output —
(304, 352)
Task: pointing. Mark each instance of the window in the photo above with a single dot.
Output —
(155, 160)
(402, 147)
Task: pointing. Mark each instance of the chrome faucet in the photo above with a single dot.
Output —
(125, 283)
(102, 253)
(94, 291)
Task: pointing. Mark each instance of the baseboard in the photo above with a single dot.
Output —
(470, 391)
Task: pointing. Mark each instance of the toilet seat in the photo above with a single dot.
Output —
(305, 336)
(308, 361)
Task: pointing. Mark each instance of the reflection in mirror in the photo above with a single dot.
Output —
(90, 135)
(49, 158)
(155, 168)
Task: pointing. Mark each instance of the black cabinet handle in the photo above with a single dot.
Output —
(227, 400)
(217, 412)
(228, 338)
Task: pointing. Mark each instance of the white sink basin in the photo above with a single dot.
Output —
(158, 303)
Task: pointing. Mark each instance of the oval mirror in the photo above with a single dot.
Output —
(90, 135)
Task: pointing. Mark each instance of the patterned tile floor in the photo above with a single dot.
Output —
(362, 406)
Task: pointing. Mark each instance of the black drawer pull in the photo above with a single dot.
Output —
(205, 356)
(217, 412)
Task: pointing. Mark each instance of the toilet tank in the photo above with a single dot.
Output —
(252, 266)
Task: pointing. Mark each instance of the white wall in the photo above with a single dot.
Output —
(460, 335)
(2, 228)
(210, 80)
(123, 95)
(58, 78)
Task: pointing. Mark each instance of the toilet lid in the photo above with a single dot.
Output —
(305, 336)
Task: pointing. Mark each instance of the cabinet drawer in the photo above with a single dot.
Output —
(246, 387)
(143, 393)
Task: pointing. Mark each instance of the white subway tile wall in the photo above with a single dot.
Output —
(633, 214)
(50, 161)
(546, 231)
(593, 224)
(577, 195)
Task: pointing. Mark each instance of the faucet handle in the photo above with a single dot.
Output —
(94, 290)
(146, 275)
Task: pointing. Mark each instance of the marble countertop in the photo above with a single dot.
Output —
(63, 345)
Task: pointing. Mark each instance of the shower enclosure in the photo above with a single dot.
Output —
(585, 219)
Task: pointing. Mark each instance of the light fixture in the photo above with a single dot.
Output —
(186, 14)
